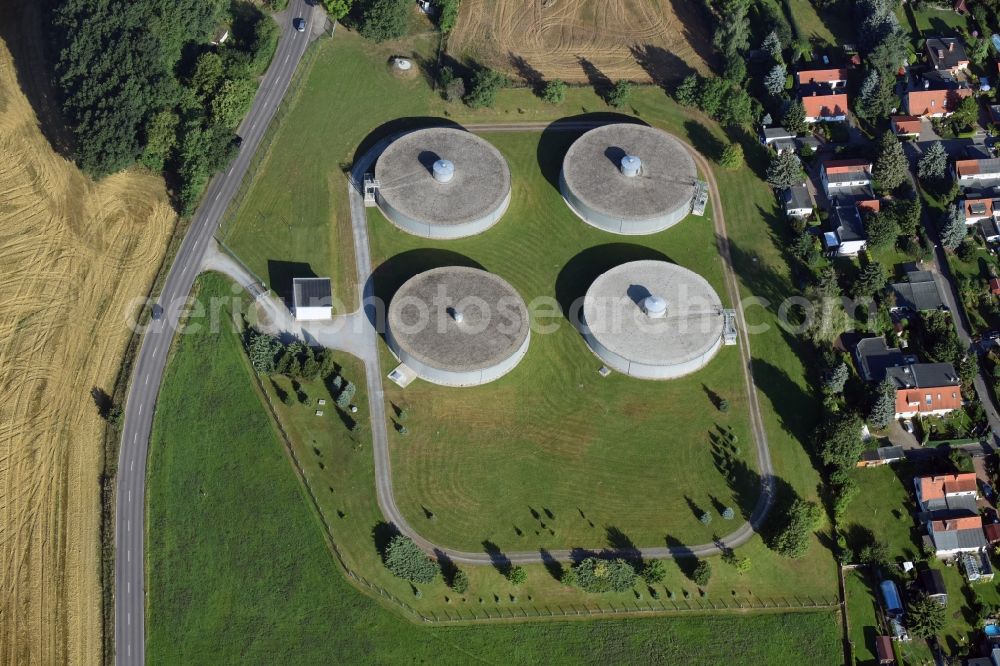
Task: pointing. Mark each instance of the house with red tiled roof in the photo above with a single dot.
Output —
(824, 108)
(976, 209)
(868, 205)
(906, 125)
(933, 492)
(845, 176)
(935, 103)
(926, 389)
(952, 536)
(976, 172)
(834, 77)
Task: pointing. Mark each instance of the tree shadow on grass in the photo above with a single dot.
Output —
(664, 68)
(552, 565)
(382, 534)
(704, 140)
(580, 271)
(448, 567)
(622, 546)
(500, 561)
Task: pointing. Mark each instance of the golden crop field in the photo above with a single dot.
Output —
(73, 254)
(576, 40)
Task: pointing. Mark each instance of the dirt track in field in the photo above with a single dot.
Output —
(584, 40)
(73, 254)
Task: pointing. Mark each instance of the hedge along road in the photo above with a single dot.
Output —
(380, 441)
(130, 597)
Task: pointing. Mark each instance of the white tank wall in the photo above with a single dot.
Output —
(618, 225)
(457, 379)
(645, 371)
(444, 231)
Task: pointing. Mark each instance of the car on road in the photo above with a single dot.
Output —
(987, 490)
(299, 24)
(908, 425)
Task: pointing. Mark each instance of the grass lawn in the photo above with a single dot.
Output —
(756, 229)
(885, 508)
(980, 304)
(553, 438)
(239, 571)
(928, 20)
(828, 27)
(862, 607)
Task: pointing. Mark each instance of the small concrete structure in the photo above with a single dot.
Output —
(312, 299)
(442, 183)
(628, 179)
(458, 326)
(652, 320)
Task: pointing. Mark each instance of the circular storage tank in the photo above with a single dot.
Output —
(458, 326)
(628, 179)
(442, 183)
(652, 320)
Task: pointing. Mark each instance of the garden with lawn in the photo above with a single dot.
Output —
(550, 456)
(238, 563)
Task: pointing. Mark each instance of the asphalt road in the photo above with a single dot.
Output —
(130, 598)
(383, 469)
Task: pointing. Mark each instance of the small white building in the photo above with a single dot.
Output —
(312, 299)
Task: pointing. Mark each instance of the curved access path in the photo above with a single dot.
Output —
(130, 584)
(369, 354)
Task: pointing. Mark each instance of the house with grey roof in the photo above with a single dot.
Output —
(953, 536)
(797, 201)
(846, 237)
(872, 357)
(947, 54)
(919, 293)
(312, 299)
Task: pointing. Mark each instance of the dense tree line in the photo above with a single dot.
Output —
(139, 82)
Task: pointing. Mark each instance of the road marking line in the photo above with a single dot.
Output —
(130, 496)
(287, 57)
(132, 466)
(130, 649)
(140, 410)
(129, 585)
(147, 379)
(130, 618)
(130, 526)
(130, 555)
(135, 438)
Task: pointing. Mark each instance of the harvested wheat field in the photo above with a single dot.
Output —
(585, 41)
(73, 255)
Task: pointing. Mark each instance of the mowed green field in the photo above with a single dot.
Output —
(756, 228)
(239, 571)
(553, 455)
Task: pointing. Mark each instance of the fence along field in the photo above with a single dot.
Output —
(73, 253)
(616, 39)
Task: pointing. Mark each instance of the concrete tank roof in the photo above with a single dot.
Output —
(613, 312)
(592, 171)
(492, 326)
(480, 185)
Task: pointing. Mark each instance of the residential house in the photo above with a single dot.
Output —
(846, 237)
(820, 107)
(883, 455)
(947, 54)
(797, 201)
(992, 532)
(834, 77)
(919, 293)
(909, 126)
(926, 389)
(954, 493)
(994, 111)
(769, 135)
(953, 536)
(976, 207)
(872, 357)
(995, 286)
(868, 205)
(990, 230)
(795, 144)
(851, 177)
(933, 583)
(982, 173)
(934, 103)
